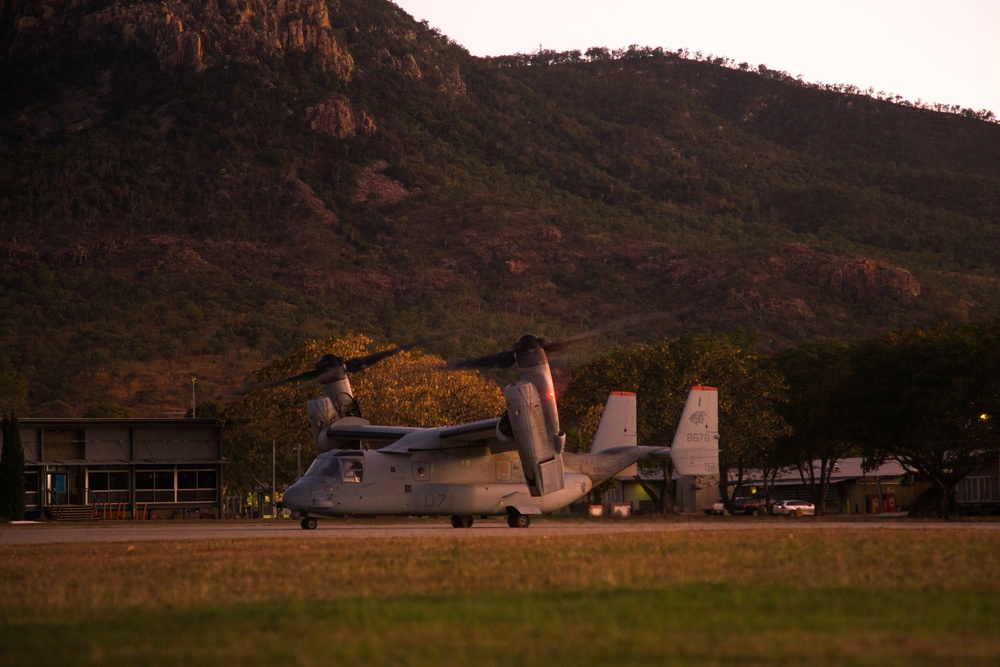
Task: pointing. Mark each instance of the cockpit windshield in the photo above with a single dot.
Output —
(342, 468)
(324, 466)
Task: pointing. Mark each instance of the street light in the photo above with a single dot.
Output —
(194, 400)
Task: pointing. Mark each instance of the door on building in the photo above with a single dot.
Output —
(65, 488)
(57, 488)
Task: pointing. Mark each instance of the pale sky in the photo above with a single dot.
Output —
(945, 51)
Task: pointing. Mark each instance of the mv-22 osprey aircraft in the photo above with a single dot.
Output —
(514, 465)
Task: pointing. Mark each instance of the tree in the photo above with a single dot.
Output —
(107, 410)
(598, 53)
(929, 399)
(13, 393)
(660, 375)
(12, 497)
(818, 375)
(207, 409)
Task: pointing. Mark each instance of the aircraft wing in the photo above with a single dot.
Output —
(370, 433)
(473, 434)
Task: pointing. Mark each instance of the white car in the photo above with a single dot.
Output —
(792, 507)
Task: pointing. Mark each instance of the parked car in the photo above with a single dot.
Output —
(717, 509)
(792, 507)
(749, 505)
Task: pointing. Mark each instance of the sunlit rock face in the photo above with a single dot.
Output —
(186, 35)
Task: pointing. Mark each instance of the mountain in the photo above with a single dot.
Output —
(188, 189)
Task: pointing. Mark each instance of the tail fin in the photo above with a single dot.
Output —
(617, 427)
(695, 448)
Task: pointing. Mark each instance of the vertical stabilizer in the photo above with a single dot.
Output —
(617, 427)
(695, 449)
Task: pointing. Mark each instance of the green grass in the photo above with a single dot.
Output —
(782, 596)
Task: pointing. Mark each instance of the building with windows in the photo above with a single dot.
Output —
(690, 493)
(979, 491)
(122, 468)
(853, 488)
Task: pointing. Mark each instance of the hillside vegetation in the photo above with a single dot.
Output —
(191, 189)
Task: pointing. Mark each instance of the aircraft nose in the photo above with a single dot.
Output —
(298, 496)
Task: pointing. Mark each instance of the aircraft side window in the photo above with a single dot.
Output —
(353, 469)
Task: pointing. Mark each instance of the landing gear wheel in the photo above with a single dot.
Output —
(461, 522)
(308, 523)
(518, 520)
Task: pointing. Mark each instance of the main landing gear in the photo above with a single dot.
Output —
(308, 523)
(517, 520)
(514, 519)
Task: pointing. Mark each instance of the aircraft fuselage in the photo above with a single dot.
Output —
(371, 482)
(479, 469)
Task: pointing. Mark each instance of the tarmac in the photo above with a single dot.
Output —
(27, 533)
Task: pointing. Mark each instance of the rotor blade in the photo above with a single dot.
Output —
(504, 359)
(328, 367)
(306, 376)
(360, 363)
(508, 358)
(617, 325)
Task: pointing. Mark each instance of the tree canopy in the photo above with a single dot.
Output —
(930, 400)
(12, 497)
(819, 374)
(660, 375)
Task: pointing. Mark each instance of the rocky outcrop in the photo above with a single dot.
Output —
(451, 81)
(338, 118)
(195, 35)
(445, 77)
(797, 284)
(851, 278)
(375, 186)
(185, 35)
(861, 279)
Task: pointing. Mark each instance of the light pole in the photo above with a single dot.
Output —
(194, 400)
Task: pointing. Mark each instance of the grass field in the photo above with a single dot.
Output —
(774, 596)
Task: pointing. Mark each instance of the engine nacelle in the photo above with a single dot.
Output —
(504, 433)
(321, 415)
(540, 457)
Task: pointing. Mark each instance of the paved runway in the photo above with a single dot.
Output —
(54, 533)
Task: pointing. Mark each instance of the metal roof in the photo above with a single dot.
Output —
(844, 470)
